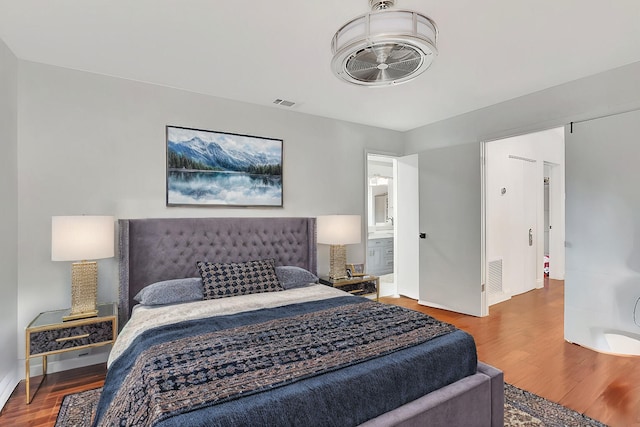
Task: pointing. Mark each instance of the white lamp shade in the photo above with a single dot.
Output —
(339, 229)
(86, 237)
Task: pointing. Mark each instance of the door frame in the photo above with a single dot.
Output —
(557, 171)
(407, 226)
(483, 231)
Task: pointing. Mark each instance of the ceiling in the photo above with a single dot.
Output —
(257, 51)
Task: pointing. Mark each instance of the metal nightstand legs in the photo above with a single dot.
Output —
(28, 376)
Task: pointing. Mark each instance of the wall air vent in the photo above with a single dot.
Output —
(495, 276)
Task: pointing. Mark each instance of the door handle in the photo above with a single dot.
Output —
(423, 235)
(531, 237)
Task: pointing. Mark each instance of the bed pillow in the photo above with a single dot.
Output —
(291, 277)
(171, 292)
(238, 278)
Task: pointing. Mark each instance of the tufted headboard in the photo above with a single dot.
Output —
(152, 250)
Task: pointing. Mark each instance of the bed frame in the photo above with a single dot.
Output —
(151, 250)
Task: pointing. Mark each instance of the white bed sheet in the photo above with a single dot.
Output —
(146, 317)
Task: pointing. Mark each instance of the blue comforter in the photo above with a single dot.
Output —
(344, 393)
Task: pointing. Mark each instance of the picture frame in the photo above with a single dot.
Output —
(355, 270)
(213, 168)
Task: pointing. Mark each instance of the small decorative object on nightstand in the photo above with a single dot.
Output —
(50, 334)
(362, 285)
(355, 270)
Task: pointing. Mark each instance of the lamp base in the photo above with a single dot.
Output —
(337, 262)
(84, 290)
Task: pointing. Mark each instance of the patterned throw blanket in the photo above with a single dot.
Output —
(195, 372)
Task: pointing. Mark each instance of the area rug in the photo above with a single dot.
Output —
(521, 408)
(77, 409)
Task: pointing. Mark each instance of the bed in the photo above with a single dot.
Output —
(303, 354)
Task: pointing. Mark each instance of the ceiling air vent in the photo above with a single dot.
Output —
(284, 103)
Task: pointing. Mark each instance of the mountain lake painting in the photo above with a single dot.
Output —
(224, 169)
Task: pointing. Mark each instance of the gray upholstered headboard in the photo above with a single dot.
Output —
(152, 250)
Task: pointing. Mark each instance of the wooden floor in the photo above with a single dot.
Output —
(43, 409)
(522, 336)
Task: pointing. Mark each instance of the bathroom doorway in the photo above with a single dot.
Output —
(381, 221)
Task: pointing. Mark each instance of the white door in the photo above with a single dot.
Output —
(530, 216)
(450, 218)
(522, 266)
(406, 243)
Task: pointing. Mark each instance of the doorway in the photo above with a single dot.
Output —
(554, 261)
(524, 212)
(392, 226)
(381, 218)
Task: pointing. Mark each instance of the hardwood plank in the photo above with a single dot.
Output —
(43, 410)
(522, 336)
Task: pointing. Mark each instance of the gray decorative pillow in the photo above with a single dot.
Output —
(291, 277)
(238, 278)
(171, 292)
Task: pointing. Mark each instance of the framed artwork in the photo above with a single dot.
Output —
(207, 168)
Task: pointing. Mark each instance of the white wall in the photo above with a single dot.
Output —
(8, 221)
(544, 146)
(96, 145)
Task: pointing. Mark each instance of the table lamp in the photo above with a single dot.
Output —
(82, 238)
(338, 231)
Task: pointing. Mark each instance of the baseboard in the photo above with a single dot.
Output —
(434, 305)
(7, 385)
(445, 307)
(557, 276)
(498, 298)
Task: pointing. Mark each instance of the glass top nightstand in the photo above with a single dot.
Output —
(49, 334)
(357, 285)
(55, 317)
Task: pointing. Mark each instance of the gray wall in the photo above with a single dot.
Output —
(96, 145)
(605, 93)
(603, 233)
(8, 221)
(611, 92)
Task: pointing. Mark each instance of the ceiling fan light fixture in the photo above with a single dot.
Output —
(384, 47)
